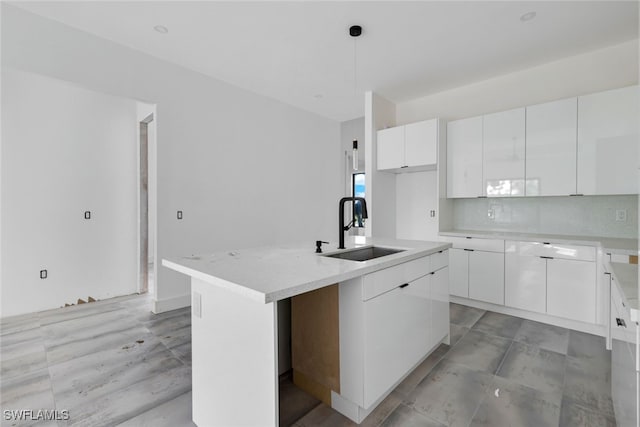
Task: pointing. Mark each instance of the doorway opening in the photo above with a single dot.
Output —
(147, 235)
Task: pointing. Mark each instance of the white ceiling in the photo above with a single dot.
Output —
(301, 53)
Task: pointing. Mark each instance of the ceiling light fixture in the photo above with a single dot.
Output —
(528, 16)
(355, 31)
(161, 29)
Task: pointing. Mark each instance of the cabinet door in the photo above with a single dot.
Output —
(525, 282)
(391, 148)
(571, 289)
(551, 148)
(464, 158)
(608, 142)
(421, 143)
(439, 305)
(459, 272)
(396, 326)
(416, 202)
(486, 276)
(503, 151)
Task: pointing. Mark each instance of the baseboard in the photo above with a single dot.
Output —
(173, 303)
(537, 317)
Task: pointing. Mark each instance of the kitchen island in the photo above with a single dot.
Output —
(392, 311)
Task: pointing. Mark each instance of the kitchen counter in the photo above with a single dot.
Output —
(608, 244)
(234, 321)
(273, 273)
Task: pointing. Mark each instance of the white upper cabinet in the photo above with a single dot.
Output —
(503, 153)
(464, 158)
(608, 142)
(408, 146)
(391, 148)
(421, 143)
(551, 148)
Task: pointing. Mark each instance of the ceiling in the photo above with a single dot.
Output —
(301, 53)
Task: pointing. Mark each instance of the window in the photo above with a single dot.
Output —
(358, 190)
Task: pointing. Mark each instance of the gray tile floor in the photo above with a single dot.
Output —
(115, 363)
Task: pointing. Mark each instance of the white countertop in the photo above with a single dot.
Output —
(626, 276)
(609, 244)
(273, 273)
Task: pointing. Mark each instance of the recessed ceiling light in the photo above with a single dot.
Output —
(161, 29)
(528, 16)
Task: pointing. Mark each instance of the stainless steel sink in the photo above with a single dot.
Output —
(365, 254)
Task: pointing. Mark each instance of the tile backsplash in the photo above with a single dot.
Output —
(584, 215)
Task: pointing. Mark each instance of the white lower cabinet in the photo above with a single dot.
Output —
(486, 276)
(389, 321)
(571, 289)
(525, 282)
(550, 278)
(459, 272)
(396, 335)
(477, 269)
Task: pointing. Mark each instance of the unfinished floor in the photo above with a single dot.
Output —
(114, 363)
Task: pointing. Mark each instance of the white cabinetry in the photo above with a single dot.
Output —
(551, 278)
(503, 153)
(608, 142)
(389, 321)
(551, 148)
(477, 269)
(408, 146)
(464, 158)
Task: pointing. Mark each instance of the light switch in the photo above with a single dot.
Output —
(196, 304)
(43, 274)
(179, 214)
(87, 214)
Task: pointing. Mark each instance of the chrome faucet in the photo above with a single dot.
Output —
(341, 225)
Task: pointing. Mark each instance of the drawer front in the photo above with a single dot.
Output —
(439, 260)
(489, 245)
(551, 250)
(626, 330)
(385, 280)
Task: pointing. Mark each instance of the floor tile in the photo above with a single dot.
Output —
(456, 332)
(588, 383)
(497, 324)
(404, 416)
(421, 371)
(450, 394)
(324, 416)
(479, 351)
(30, 391)
(537, 368)
(586, 346)
(22, 358)
(174, 413)
(382, 411)
(294, 403)
(574, 415)
(508, 404)
(548, 337)
(462, 315)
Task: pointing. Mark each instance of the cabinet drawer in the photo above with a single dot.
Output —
(439, 260)
(384, 280)
(551, 250)
(489, 245)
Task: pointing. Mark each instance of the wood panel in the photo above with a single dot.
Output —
(315, 344)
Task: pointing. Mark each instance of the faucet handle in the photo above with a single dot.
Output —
(319, 246)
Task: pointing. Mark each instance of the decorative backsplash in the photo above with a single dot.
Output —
(585, 215)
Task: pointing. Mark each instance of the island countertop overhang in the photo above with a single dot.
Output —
(273, 273)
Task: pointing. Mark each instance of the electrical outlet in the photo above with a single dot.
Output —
(87, 214)
(43, 274)
(196, 304)
(179, 215)
(621, 215)
(491, 214)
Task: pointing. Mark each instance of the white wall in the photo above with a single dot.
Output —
(245, 170)
(595, 71)
(66, 150)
